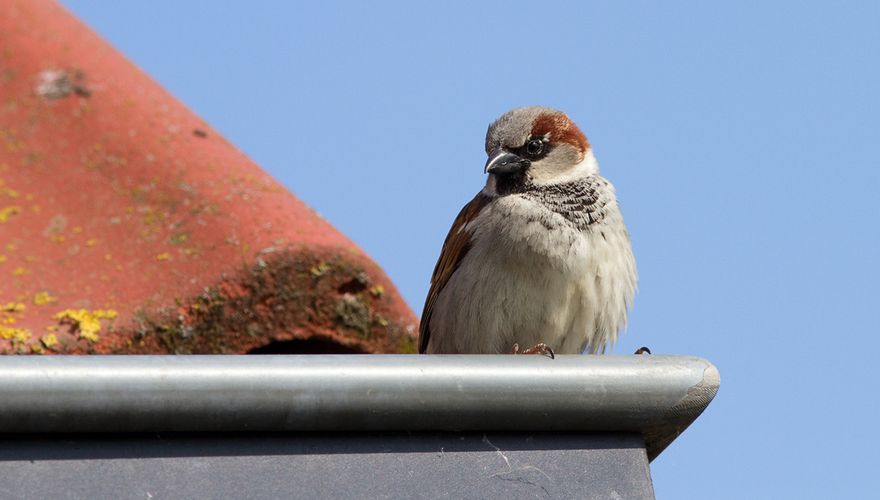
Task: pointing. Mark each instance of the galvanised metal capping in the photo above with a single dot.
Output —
(658, 396)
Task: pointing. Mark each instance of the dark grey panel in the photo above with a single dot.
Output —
(313, 465)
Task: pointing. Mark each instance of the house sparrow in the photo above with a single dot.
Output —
(540, 257)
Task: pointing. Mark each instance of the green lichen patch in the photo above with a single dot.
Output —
(284, 294)
(351, 312)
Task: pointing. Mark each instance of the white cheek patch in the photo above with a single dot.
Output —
(550, 173)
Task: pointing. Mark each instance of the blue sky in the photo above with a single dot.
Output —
(742, 138)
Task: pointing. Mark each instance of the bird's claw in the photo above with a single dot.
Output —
(642, 350)
(540, 348)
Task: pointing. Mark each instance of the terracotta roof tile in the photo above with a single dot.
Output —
(127, 224)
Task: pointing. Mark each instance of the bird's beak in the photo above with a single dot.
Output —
(504, 162)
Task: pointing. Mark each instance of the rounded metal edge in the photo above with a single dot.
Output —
(658, 396)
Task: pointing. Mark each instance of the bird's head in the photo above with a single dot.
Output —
(539, 144)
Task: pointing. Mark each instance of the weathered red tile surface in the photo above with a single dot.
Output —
(128, 225)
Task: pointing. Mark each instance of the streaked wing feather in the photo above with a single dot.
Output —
(456, 246)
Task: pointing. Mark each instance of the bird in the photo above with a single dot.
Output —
(540, 257)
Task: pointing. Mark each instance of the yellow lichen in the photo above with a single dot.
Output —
(163, 256)
(91, 242)
(49, 340)
(6, 213)
(43, 298)
(13, 307)
(108, 257)
(179, 238)
(58, 238)
(150, 216)
(19, 271)
(87, 323)
(11, 247)
(320, 269)
(377, 291)
(77, 230)
(2, 258)
(15, 334)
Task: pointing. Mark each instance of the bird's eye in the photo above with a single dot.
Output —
(535, 147)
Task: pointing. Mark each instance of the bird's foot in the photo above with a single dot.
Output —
(540, 348)
(642, 350)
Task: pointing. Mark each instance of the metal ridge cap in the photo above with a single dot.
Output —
(658, 396)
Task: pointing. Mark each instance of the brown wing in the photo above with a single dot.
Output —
(456, 246)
